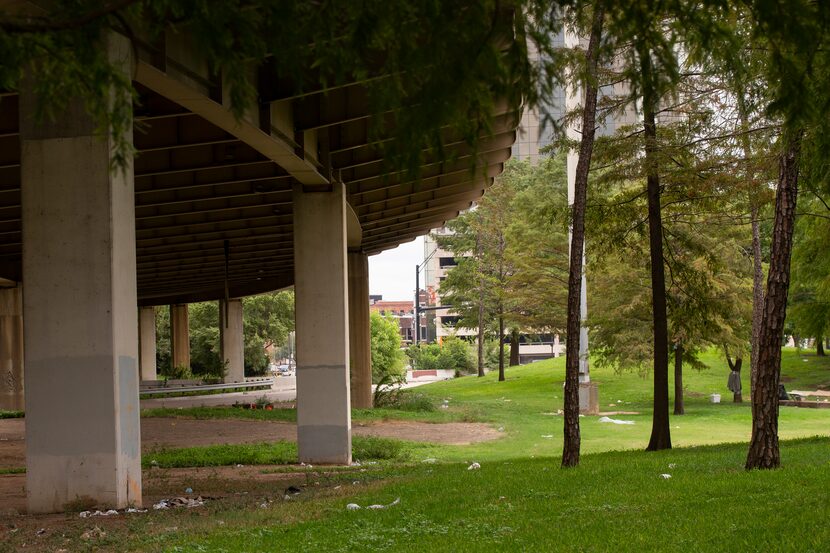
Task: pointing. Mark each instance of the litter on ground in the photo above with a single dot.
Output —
(665, 476)
(474, 466)
(614, 421)
(355, 506)
(179, 502)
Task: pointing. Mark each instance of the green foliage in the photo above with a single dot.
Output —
(180, 372)
(205, 348)
(425, 65)
(809, 312)
(387, 357)
(453, 354)
(267, 320)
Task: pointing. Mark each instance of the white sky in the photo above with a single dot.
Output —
(392, 273)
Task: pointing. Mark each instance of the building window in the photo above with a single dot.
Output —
(446, 262)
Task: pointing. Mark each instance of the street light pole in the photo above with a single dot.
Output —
(417, 304)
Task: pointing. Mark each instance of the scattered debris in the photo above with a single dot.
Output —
(665, 476)
(501, 429)
(292, 490)
(355, 506)
(188, 490)
(154, 463)
(398, 500)
(179, 502)
(615, 421)
(41, 531)
(430, 460)
(547, 435)
(239, 466)
(474, 466)
(109, 513)
(672, 465)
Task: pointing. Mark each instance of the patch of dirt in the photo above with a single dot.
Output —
(169, 432)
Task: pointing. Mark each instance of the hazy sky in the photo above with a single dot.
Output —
(392, 273)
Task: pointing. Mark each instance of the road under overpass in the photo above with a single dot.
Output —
(213, 207)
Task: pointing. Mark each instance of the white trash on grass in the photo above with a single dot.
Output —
(615, 421)
(665, 476)
(474, 466)
(188, 502)
(355, 506)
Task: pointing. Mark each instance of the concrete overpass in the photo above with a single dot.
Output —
(213, 208)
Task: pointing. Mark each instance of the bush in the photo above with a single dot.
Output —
(180, 372)
(414, 402)
(453, 355)
(368, 448)
(387, 358)
(459, 352)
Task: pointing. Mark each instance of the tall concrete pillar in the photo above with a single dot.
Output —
(232, 340)
(11, 349)
(147, 342)
(179, 335)
(322, 345)
(81, 333)
(360, 351)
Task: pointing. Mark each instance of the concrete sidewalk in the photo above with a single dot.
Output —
(284, 389)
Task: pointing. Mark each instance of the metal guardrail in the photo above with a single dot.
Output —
(249, 385)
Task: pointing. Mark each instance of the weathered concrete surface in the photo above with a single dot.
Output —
(147, 342)
(360, 351)
(232, 340)
(11, 348)
(179, 335)
(321, 304)
(81, 333)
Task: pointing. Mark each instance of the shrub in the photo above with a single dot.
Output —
(366, 448)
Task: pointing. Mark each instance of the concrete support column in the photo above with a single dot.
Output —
(81, 336)
(321, 305)
(232, 340)
(179, 335)
(360, 351)
(147, 342)
(11, 349)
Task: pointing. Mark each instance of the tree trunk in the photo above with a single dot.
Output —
(481, 337)
(660, 431)
(571, 445)
(678, 380)
(757, 296)
(757, 262)
(763, 447)
(820, 347)
(479, 250)
(514, 347)
(501, 348)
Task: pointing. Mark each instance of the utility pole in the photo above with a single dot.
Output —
(417, 322)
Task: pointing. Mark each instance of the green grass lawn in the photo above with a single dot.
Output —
(519, 499)
(525, 406)
(616, 501)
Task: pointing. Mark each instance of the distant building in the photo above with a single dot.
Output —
(403, 311)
